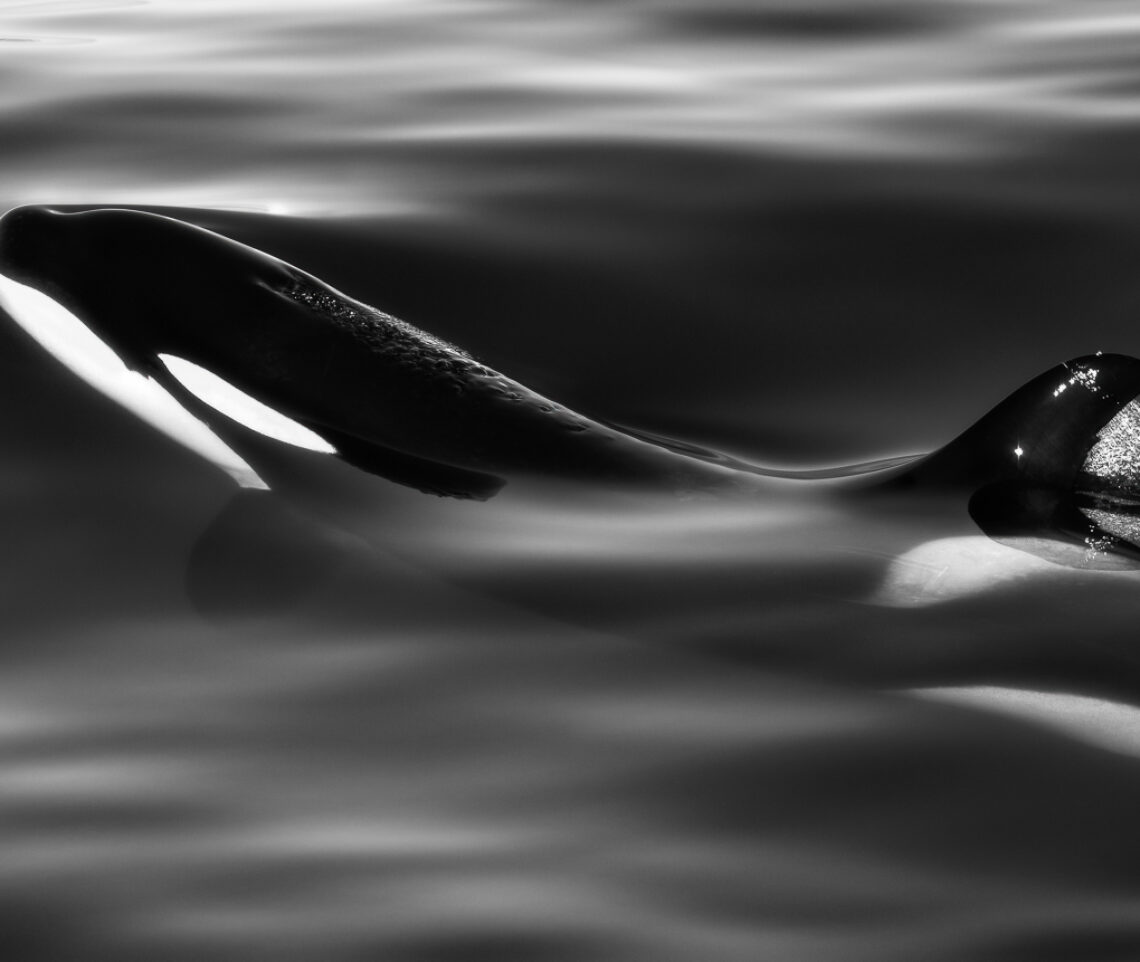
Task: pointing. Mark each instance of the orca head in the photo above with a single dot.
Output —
(144, 283)
(203, 316)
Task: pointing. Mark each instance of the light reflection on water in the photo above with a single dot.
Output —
(381, 94)
(576, 727)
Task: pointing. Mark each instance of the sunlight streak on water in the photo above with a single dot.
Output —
(946, 569)
(966, 80)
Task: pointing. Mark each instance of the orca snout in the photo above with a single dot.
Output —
(25, 234)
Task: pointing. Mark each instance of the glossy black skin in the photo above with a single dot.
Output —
(1054, 428)
(391, 398)
(404, 405)
(1023, 464)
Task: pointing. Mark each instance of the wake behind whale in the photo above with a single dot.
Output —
(1059, 459)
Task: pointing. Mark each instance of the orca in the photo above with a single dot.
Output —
(1059, 458)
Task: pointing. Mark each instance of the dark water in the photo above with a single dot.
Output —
(598, 727)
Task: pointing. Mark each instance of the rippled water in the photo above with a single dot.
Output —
(590, 728)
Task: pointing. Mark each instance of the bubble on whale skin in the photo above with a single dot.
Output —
(386, 334)
(415, 350)
(1108, 483)
(1115, 457)
(1117, 527)
(1054, 469)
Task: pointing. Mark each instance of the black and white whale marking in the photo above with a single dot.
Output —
(1060, 455)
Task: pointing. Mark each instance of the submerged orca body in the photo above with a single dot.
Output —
(1061, 455)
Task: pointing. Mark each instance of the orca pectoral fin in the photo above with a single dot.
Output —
(423, 474)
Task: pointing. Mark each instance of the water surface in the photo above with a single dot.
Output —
(602, 726)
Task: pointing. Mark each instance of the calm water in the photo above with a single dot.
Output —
(805, 232)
